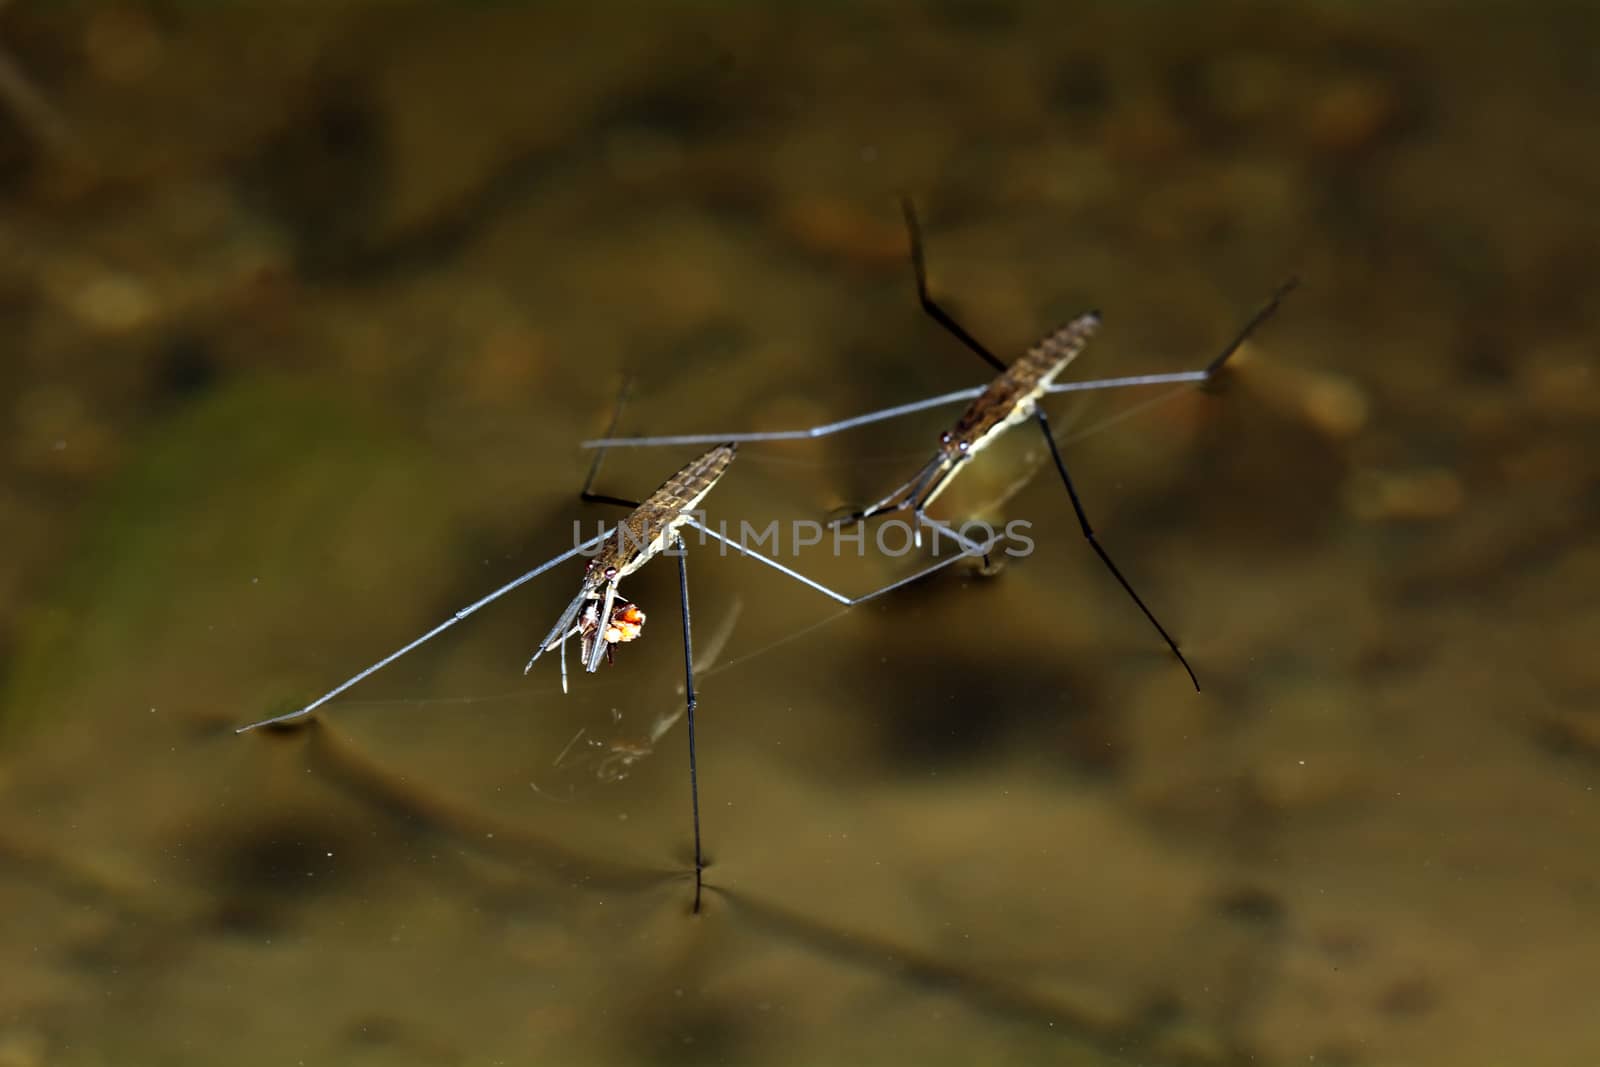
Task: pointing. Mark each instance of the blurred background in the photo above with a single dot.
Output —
(305, 315)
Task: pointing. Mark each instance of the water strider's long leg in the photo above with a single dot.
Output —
(436, 631)
(587, 493)
(689, 696)
(1094, 542)
(944, 319)
(897, 499)
(1266, 312)
(935, 312)
(916, 495)
(809, 433)
(1178, 377)
(969, 548)
(602, 498)
(562, 630)
(828, 429)
(1198, 376)
(597, 650)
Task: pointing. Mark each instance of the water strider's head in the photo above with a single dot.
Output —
(597, 616)
(598, 573)
(954, 447)
(604, 620)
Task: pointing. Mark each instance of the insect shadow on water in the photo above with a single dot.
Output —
(601, 618)
(1011, 399)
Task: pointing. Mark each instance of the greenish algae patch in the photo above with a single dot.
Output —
(263, 510)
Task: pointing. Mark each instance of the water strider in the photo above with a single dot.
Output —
(1010, 400)
(601, 618)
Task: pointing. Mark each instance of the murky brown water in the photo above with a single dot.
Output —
(304, 318)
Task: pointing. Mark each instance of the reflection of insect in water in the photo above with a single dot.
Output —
(1011, 399)
(601, 618)
(610, 755)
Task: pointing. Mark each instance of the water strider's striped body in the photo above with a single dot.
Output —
(651, 526)
(598, 616)
(1009, 400)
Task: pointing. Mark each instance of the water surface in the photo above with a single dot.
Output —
(305, 319)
